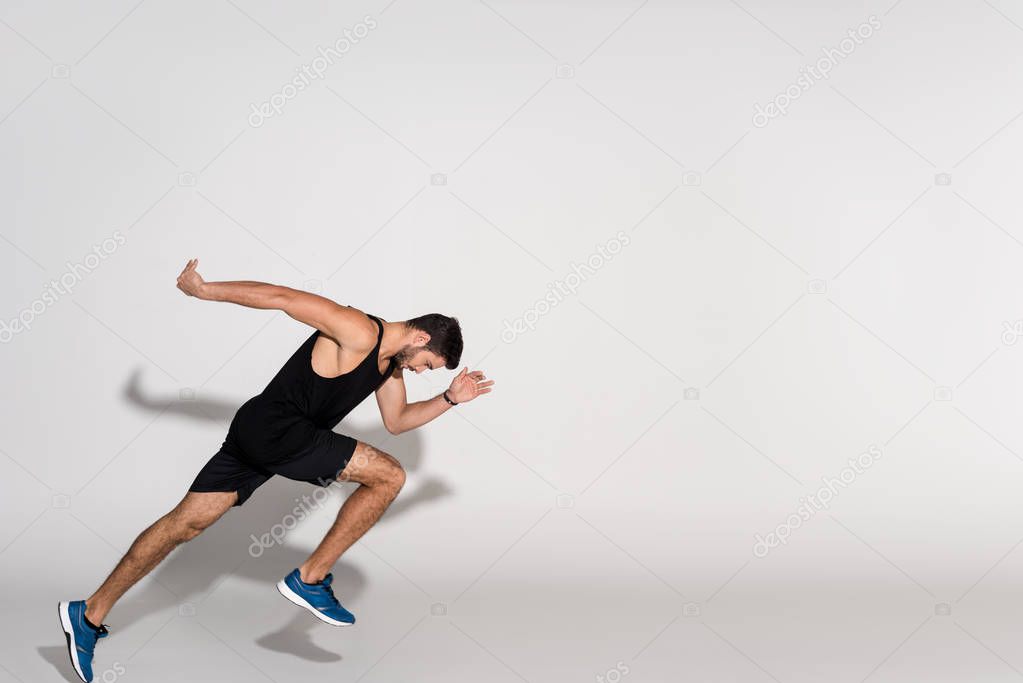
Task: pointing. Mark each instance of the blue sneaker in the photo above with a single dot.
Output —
(81, 636)
(318, 598)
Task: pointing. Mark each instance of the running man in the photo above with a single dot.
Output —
(287, 430)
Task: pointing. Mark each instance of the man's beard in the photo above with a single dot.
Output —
(404, 355)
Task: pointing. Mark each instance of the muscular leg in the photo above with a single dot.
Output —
(380, 477)
(195, 512)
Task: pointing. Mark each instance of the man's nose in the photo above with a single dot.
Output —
(419, 369)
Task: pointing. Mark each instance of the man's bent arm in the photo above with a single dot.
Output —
(419, 413)
(399, 415)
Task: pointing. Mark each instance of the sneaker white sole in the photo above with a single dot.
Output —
(69, 634)
(293, 597)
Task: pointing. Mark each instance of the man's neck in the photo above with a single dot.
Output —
(394, 339)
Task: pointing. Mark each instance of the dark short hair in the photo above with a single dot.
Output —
(445, 336)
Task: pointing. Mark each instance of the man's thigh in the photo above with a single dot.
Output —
(338, 457)
(227, 473)
(321, 461)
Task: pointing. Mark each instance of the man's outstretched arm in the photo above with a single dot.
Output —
(347, 326)
(401, 416)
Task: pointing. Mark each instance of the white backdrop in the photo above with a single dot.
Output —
(711, 252)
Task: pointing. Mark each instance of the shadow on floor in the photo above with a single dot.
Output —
(225, 550)
(58, 657)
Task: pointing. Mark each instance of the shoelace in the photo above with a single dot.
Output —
(327, 580)
(97, 633)
(100, 632)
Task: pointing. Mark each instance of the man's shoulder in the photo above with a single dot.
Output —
(357, 329)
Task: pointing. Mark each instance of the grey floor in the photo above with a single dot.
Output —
(561, 601)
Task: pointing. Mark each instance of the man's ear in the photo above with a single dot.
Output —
(422, 339)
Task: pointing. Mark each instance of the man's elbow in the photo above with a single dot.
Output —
(393, 428)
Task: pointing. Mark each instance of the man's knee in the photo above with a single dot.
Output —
(186, 525)
(191, 517)
(189, 529)
(373, 467)
(395, 475)
(386, 472)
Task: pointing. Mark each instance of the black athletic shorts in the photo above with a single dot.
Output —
(232, 469)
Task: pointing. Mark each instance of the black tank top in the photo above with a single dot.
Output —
(278, 421)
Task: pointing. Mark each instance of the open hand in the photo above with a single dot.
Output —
(468, 385)
(190, 282)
